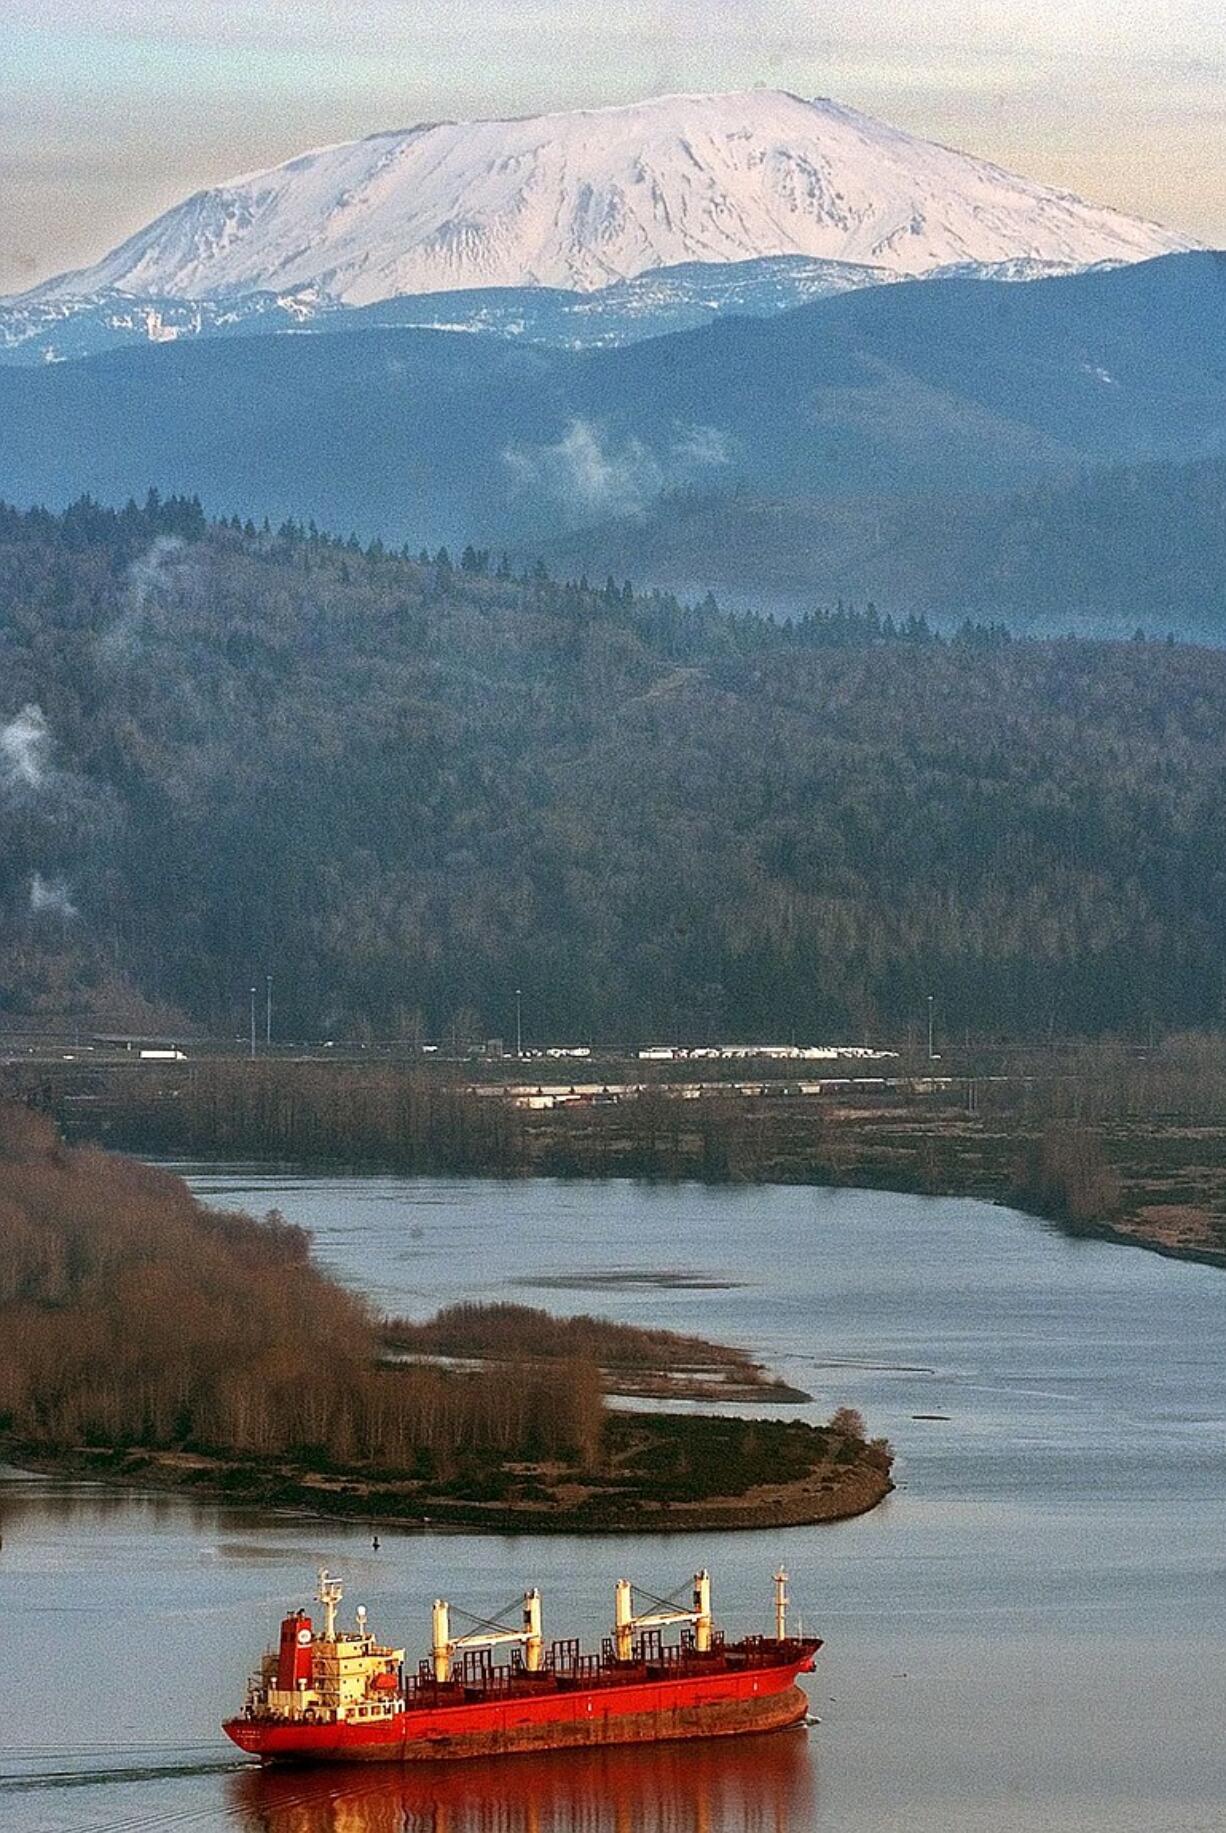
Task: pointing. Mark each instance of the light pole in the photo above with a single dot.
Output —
(267, 1010)
(253, 1024)
(519, 1023)
(931, 1051)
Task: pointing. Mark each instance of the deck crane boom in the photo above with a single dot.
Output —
(528, 1636)
(625, 1622)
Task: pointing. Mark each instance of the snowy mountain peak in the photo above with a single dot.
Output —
(586, 198)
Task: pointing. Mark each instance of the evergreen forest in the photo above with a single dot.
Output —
(405, 784)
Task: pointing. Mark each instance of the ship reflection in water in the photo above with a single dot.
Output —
(741, 1785)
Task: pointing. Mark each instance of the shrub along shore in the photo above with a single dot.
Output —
(146, 1338)
(1125, 1144)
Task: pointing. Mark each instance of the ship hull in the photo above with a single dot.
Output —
(726, 1705)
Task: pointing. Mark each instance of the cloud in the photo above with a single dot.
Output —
(589, 473)
(25, 749)
(51, 896)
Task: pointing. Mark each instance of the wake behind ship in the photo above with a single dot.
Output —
(339, 1695)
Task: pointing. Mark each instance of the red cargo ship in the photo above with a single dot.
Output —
(339, 1695)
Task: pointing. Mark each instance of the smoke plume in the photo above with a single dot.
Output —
(57, 822)
(589, 473)
(51, 896)
(25, 748)
(163, 571)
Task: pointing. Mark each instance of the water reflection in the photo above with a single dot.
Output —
(747, 1785)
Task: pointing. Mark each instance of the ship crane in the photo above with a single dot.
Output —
(445, 1646)
(625, 1622)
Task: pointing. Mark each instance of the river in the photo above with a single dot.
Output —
(1029, 1636)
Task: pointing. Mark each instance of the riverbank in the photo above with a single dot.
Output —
(658, 1473)
(1147, 1137)
(147, 1338)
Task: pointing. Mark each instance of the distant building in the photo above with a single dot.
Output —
(791, 1053)
(165, 1049)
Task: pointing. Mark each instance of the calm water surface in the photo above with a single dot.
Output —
(1030, 1635)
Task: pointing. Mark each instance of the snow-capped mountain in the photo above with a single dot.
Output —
(585, 199)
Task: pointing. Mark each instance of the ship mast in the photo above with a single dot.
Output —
(329, 1595)
(781, 1605)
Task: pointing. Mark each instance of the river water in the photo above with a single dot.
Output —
(1029, 1636)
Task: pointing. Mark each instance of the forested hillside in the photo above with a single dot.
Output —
(406, 787)
(1105, 554)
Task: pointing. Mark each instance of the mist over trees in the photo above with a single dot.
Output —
(407, 784)
(1102, 554)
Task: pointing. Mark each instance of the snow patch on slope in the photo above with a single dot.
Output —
(588, 198)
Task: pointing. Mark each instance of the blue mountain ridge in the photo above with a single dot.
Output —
(431, 435)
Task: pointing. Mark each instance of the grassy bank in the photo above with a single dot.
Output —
(634, 1363)
(658, 1473)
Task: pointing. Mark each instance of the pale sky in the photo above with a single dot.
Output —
(111, 110)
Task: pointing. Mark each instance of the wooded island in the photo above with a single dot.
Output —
(146, 1338)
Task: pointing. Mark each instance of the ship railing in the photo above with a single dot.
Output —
(476, 1666)
(491, 1683)
(581, 1667)
(617, 1671)
(424, 1689)
(763, 1651)
(512, 1682)
(685, 1658)
(641, 1654)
